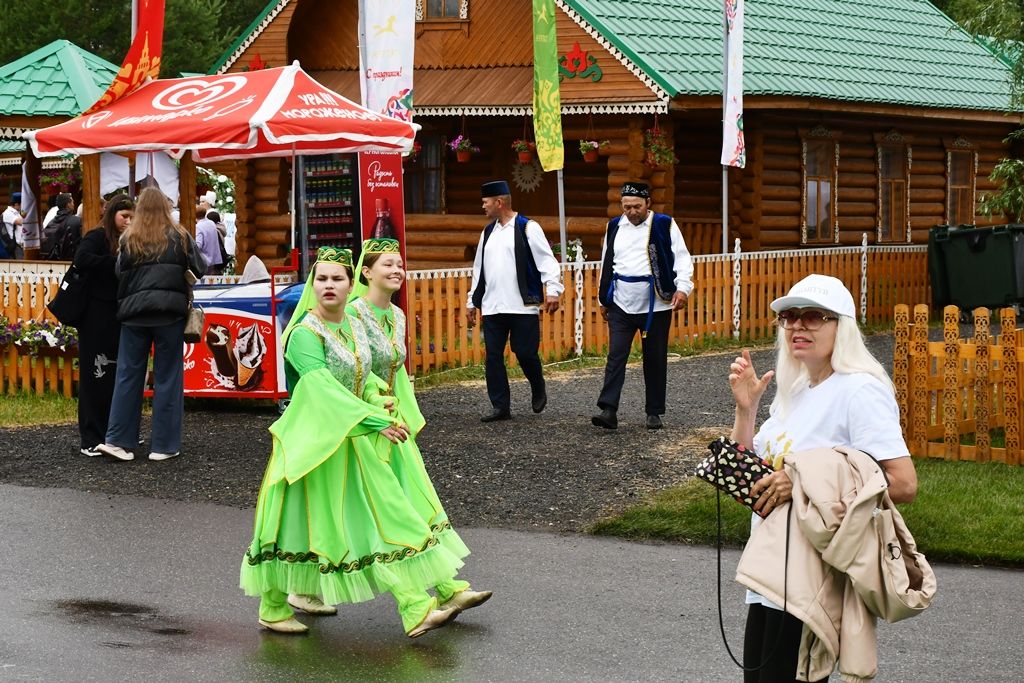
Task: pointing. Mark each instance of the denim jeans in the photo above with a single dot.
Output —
(167, 342)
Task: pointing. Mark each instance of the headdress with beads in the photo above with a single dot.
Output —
(334, 255)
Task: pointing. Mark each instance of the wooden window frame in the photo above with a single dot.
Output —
(961, 145)
(816, 135)
(893, 140)
(421, 14)
(420, 173)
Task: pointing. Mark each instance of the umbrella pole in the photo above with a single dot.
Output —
(291, 195)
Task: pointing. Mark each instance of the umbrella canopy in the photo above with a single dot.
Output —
(272, 112)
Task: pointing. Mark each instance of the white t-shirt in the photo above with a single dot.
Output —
(10, 215)
(855, 410)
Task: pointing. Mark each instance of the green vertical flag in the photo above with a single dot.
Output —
(547, 104)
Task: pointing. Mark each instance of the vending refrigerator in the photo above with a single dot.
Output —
(328, 213)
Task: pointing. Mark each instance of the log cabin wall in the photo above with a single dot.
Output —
(771, 210)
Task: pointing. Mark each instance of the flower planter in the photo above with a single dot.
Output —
(525, 157)
(590, 156)
(57, 352)
(463, 156)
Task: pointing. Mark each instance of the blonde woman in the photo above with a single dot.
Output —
(152, 304)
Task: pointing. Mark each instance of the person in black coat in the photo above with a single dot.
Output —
(62, 235)
(152, 305)
(99, 330)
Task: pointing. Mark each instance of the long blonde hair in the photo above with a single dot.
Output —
(849, 355)
(151, 228)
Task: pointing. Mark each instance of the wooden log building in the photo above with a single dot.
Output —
(859, 118)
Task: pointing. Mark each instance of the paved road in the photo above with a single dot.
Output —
(96, 587)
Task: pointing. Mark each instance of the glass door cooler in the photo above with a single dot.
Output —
(328, 205)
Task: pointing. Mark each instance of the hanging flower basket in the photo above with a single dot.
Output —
(463, 148)
(463, 155)
(591, 148)
(525, 149)
(658, 150)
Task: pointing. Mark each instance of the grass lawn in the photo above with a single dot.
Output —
(19, 410)
(965, 512)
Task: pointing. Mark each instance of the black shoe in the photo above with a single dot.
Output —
(496, 415)
(606, 419)
(654, 422)
(539, 401)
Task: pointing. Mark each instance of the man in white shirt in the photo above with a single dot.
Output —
(646, 274)
(12, 238)
(514, 275)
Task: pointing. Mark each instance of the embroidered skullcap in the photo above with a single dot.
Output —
(16, 198)
(495, 188)
(381, 245)
(636, 190)
(334, 255)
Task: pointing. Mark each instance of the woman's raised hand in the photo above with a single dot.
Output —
(747, 387)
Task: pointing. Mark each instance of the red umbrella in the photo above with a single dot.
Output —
(272, 112)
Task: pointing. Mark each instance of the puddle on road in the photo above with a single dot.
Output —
(123, 615)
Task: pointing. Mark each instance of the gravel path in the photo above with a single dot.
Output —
(553, 471)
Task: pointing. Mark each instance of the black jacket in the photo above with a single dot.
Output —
(154, 293)
(61, 236)
(94, 258)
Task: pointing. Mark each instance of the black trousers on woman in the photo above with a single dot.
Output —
(762, 633)
(98, 336)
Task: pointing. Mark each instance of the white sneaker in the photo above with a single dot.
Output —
(91, 452)
(163, 456)
(311, 604)
(115, 451)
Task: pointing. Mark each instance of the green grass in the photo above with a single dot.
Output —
(964, 512)
(23, 409)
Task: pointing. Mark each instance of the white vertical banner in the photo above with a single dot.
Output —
(734, 149)
(30, 209)
(387, 36)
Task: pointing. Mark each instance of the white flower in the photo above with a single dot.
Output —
(230, 199)
(222, 178)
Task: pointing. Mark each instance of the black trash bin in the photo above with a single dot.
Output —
(971, 267)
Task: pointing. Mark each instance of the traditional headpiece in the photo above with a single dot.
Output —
(16, 198)
(495, 188)
(376, 245)
(636, 190)
(334, 255)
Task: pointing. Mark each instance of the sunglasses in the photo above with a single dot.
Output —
(812, 319)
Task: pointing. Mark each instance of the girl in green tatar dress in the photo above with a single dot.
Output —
(380, 275)
(332, 519)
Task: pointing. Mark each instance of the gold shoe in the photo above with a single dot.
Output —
(467, 599)
(435, 618)
(311, 604)
(289, 625)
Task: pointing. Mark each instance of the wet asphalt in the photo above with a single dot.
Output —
(98, 587)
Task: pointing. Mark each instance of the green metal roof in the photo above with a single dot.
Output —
(59, 79)
(12, 146)
(888, 51)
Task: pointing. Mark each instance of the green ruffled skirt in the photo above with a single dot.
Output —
(356, 526)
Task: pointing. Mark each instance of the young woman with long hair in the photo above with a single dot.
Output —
(152, 305)
(99, 331)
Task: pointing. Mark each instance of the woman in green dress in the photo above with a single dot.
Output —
(380, 274)
(332, 519)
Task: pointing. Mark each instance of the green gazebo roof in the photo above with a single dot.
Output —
(905, 52)
(59, 79)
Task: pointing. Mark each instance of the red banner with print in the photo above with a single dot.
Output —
(143, 59)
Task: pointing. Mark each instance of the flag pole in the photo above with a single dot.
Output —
(561, 214)
(725, 99)
(135, 19)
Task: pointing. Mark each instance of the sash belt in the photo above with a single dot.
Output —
(649, 279)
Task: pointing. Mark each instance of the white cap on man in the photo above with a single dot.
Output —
(818, 291)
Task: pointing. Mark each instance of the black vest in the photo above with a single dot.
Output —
(659, 253)
(527, 273)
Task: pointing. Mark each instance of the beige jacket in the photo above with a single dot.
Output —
(851, 559)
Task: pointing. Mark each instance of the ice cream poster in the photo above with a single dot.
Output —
(232, 357)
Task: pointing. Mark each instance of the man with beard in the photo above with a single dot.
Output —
(646, 274)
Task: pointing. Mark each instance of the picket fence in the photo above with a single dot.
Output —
(730, 300)
(958, 390)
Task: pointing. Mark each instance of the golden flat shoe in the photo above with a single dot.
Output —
(311, 604)
(291, 625)
(434, 619)
(467, 599)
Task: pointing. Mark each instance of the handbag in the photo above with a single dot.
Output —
(195, 321)
(734, 469)
(69, 304)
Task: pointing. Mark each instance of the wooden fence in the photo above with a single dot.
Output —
(24, 297)
(730, 300)
(956, 391)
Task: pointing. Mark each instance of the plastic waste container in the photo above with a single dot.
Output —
(971, 267)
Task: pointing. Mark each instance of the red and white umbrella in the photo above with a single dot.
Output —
(272, 112)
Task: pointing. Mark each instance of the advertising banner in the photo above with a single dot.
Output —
(387, 34)
(734, 148)
(381, 200)
(547, 102)
(143, 59)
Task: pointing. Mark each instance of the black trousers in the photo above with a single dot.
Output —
(98, 337)
(622, 328)
(523, 333)
(759, 640)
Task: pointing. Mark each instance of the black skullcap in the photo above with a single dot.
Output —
(636, 190)
(495, 188)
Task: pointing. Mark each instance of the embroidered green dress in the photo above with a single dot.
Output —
(385, 330)
(332, 517)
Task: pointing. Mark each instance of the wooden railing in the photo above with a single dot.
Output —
(24, 297)
(730, 300)
(955, 391)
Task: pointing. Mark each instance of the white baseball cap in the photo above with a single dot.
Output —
(820, 291)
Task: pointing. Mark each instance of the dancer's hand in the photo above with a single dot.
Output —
(747, 387)
(389, 404)
(393, 434)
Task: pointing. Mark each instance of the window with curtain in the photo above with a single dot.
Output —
(960, 187)
(442, 9)
(892, 192)
(423, 177)
(819, 190)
